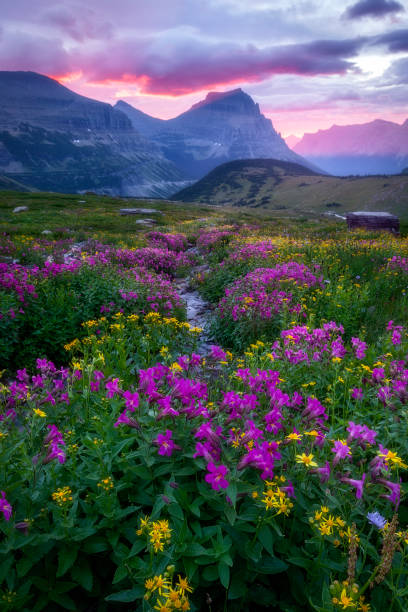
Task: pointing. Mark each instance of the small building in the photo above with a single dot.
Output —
(373, 221)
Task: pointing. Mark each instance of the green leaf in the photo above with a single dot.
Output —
(196, 550)
(82, 574)
(210, 573)
(300, 561)
(253, 550)
(224, 574)
(271, 565)
(127, 595)
(64, 600)
(66, 559)
(96, 545)
(265, 536)
(232, 492)
(120, 574)
(24, 565)
(231, 514)
(237, 587)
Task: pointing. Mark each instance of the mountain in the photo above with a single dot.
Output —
(377, 147)
(8, 184)
(222, 127)
(284, 186)
(56, 140)
(292, 140)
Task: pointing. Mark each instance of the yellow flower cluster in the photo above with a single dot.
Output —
(392, 460)
(72, 345)
(169, 596)
(62, 496)
(346, 596)
(275, 498)
(329, 525)
(106, 484)
(158, 532)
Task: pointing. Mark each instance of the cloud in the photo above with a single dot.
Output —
(80, 23)
(373, 8)
(396, 41)
(397, 73)
(19, 51)
(177, 64)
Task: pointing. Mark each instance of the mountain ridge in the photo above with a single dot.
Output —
(378, 146)
(58, 140)
(222, 127)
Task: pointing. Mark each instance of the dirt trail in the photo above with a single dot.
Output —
(198, 309)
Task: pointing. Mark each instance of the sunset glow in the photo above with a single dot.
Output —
(316, 65)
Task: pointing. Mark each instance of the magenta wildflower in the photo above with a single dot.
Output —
(357, 484)
(132, 400)
(357, 393)
(165, 443)
(112, 387)
(324, 472)
(361, 433)
(5, 507)
(216, 477)
(55, 452)
(124, 419)
(217, 353)
(395, 489)
(340, 450)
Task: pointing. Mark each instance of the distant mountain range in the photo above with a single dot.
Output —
(293, 189)
(56, 140)
(377, 147)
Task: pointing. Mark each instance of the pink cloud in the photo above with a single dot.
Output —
(178, 67)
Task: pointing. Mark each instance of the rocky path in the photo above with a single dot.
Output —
(198, 309)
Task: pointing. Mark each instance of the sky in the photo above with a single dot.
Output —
(308, 63)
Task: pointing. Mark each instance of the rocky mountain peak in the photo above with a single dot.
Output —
(234, 100)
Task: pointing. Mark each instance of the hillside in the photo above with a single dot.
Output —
(278, 185)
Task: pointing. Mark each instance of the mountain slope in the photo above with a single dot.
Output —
(54, 139)
(369, 148)
(283, 186)
(222, 127)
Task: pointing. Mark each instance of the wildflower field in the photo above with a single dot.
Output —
(149, 464)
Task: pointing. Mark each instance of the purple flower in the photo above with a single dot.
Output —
(217, 353)
(324, 472)
(5, 507)
(55, 452)
(357, 393)
(112, 387)
(358, 484)
(124, 419)
(216, 476)
(165, 443)
(54, 435)
(132, 400)
(361, 433)
(376, 519)
(340, 450)
(395, 489)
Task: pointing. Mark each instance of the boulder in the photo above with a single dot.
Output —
(139, 211)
